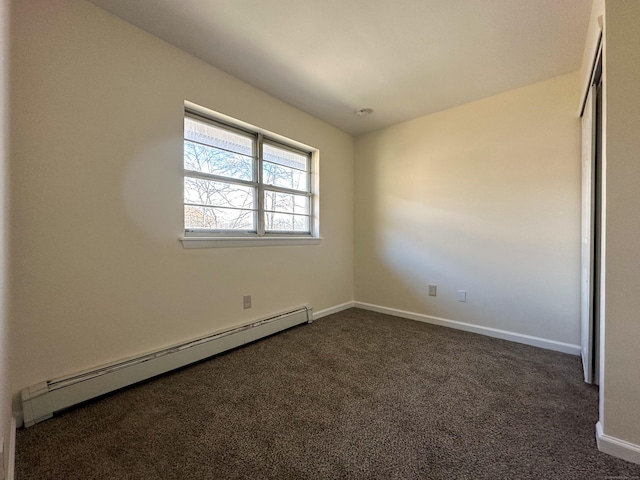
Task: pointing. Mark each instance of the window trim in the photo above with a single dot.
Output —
(195, 238)
(230, 242)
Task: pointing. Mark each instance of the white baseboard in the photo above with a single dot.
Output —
(10, 455)
(332, 310)
(616, 447)
(17, 416)
(468, 327)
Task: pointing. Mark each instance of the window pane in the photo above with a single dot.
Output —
(215, 136)
(286, 177)
(285, 157)
(286, 202)
(218, 194)
(286, 223)
(218, 218)
(224, 190)
(200, 158)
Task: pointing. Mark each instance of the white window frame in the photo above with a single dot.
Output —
(260, 237)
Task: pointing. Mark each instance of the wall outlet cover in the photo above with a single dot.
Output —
(246, 301)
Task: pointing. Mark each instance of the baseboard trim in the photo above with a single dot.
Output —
(10, 457)
(616, 447)
(490, 332)
(332, 310)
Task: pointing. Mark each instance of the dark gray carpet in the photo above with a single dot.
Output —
(354, 395)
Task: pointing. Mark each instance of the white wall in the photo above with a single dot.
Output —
(99, 272)
(620, 390)
(485, 198)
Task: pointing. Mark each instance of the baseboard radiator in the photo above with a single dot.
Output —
(41, 401)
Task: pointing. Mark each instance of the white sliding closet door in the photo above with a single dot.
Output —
(588, 207)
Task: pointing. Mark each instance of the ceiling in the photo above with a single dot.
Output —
(401, 58)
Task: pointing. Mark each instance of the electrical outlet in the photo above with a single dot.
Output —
(462, 295)
(246, 301)
(433, 290)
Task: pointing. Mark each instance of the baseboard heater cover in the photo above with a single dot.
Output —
(41, 401)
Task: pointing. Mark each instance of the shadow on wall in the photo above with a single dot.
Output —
(484, 197)
(425, 246)
(482, 221)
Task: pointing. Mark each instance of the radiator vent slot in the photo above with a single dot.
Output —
(41, 401)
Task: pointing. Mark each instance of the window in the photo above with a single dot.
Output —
(241, 183)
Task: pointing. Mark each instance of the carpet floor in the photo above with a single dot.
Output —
(355, 395)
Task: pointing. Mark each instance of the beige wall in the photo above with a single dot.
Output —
(98, 270)
(621, 387)
(485, 198)
(5, 381)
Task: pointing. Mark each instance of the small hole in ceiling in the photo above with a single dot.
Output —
(363, 112)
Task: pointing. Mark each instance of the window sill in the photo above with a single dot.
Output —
(222, 242)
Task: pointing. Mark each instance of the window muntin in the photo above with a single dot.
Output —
(225, 137)
(214, 161)
(205, 192)
(281, 202)
(203, 219)
(280, 222)
(238, 182)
